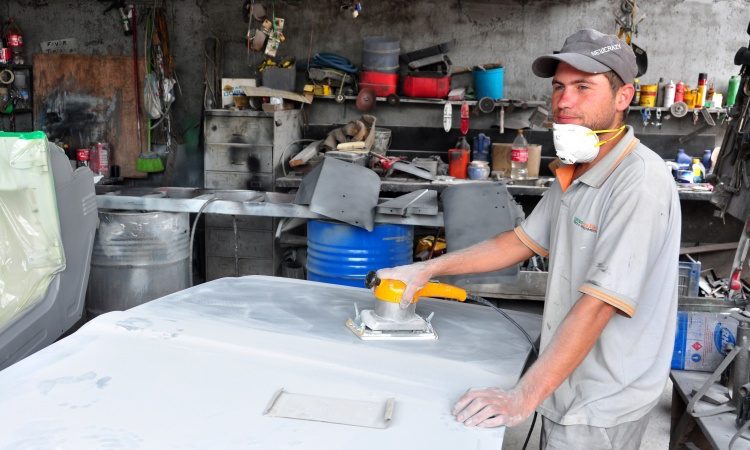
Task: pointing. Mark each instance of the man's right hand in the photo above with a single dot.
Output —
(415, 276)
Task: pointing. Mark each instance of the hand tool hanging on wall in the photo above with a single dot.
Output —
(124, 13)
(625, 17)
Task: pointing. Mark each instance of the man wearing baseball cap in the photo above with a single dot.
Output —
(610, 224)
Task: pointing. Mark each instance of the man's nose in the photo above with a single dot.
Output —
(565, 98)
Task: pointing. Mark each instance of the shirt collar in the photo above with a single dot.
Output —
(599, 172)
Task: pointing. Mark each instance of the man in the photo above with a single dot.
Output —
(610, 224)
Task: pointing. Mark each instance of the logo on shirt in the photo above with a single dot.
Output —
(586, 226)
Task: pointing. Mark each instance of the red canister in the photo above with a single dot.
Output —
(82, 157)
(5, 56)
(14, 40)
(458, 162)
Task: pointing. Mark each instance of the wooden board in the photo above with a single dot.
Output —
(82, 99)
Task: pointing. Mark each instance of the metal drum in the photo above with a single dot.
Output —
(339, 253)
(137, 257)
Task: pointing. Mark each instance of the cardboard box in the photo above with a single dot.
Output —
(501, 159)
(231, 87)
(701, 340)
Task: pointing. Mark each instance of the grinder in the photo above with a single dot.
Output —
(388, 321)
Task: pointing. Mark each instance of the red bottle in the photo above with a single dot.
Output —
(464, 118)
(679, 92)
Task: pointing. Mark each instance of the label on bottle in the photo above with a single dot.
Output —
(520, 155)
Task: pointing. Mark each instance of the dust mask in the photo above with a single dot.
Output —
(578, 144)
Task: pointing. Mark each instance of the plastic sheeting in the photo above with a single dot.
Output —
(31, 251)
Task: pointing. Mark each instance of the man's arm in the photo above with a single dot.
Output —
(573, 340)
(496, 253)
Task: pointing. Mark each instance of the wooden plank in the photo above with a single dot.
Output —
(82, 99)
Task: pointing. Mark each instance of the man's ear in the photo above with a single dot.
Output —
(623, 97)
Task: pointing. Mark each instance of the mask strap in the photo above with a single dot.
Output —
(619, 131)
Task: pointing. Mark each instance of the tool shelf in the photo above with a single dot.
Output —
(440, 101)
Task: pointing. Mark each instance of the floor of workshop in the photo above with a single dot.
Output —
(657, 433)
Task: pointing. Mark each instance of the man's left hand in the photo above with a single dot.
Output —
(492, 407)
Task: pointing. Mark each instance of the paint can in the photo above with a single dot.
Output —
(5, 56)
(648, 95)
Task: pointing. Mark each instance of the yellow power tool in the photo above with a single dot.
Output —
(388, 321)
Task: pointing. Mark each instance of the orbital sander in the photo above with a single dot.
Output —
(388, 321)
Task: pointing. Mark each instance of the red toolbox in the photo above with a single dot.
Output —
(427, 86)
(384, 84)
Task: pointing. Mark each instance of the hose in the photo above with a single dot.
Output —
(192, 233)
(334, 61)
(485, 302)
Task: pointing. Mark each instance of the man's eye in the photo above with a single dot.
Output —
(557, 87)
(582, 87)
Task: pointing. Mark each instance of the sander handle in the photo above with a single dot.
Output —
(392, 290)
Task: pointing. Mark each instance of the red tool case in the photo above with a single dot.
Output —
(427, 86)
(382, 83)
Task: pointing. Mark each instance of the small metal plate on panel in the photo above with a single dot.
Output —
(421, 202)
(360, 413)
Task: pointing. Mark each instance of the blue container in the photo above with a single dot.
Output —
(489, 83)
(339, 253)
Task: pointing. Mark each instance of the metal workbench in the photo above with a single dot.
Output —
(405, 185)
(718, 429)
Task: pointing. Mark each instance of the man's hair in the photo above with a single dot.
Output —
(615, 82)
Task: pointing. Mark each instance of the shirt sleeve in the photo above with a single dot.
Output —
(534, 232)
(631, 235)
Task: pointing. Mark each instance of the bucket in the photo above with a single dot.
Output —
(340, 253)
(382, 140)
(137, 257)
(648, 95)
(489, 83)
(380, 53)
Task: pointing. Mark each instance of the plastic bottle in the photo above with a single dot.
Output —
(683, 159)
(463, 143)
(699, 171)
(637, 96)
(700, 99)
(734, 86)
(519, 157)
(679, 92)
(706, 160)
(669, 91)
(709, 103)
(481, 148)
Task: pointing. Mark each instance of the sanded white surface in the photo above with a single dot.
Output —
(196, 369)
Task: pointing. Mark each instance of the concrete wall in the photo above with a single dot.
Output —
(682, 37)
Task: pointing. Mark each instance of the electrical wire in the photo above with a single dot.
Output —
(485, 302)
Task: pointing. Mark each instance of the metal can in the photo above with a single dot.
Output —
(82, 157)
(14, 40)
(5, 55)
(648, 95)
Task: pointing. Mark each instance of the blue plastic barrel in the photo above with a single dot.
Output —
(489, 83)
(339, 253)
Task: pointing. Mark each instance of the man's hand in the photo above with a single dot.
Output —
(415, 276)
(492, 407)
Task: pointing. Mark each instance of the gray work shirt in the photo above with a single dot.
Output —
(613, 234)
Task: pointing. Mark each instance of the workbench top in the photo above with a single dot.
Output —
(717, 429)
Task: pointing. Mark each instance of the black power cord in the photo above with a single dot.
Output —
(485, 302)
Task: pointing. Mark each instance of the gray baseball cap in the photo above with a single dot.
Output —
(592, 52)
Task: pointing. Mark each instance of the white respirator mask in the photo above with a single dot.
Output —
(578, 144)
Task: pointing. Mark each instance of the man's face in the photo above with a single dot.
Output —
(586, 99)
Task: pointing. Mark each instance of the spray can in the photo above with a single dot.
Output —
(669, 93)
(679, 92)
(734, 87)
(700, 99)
(637, 95)
(660, 92)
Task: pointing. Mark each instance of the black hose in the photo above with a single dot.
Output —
(485, 302)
